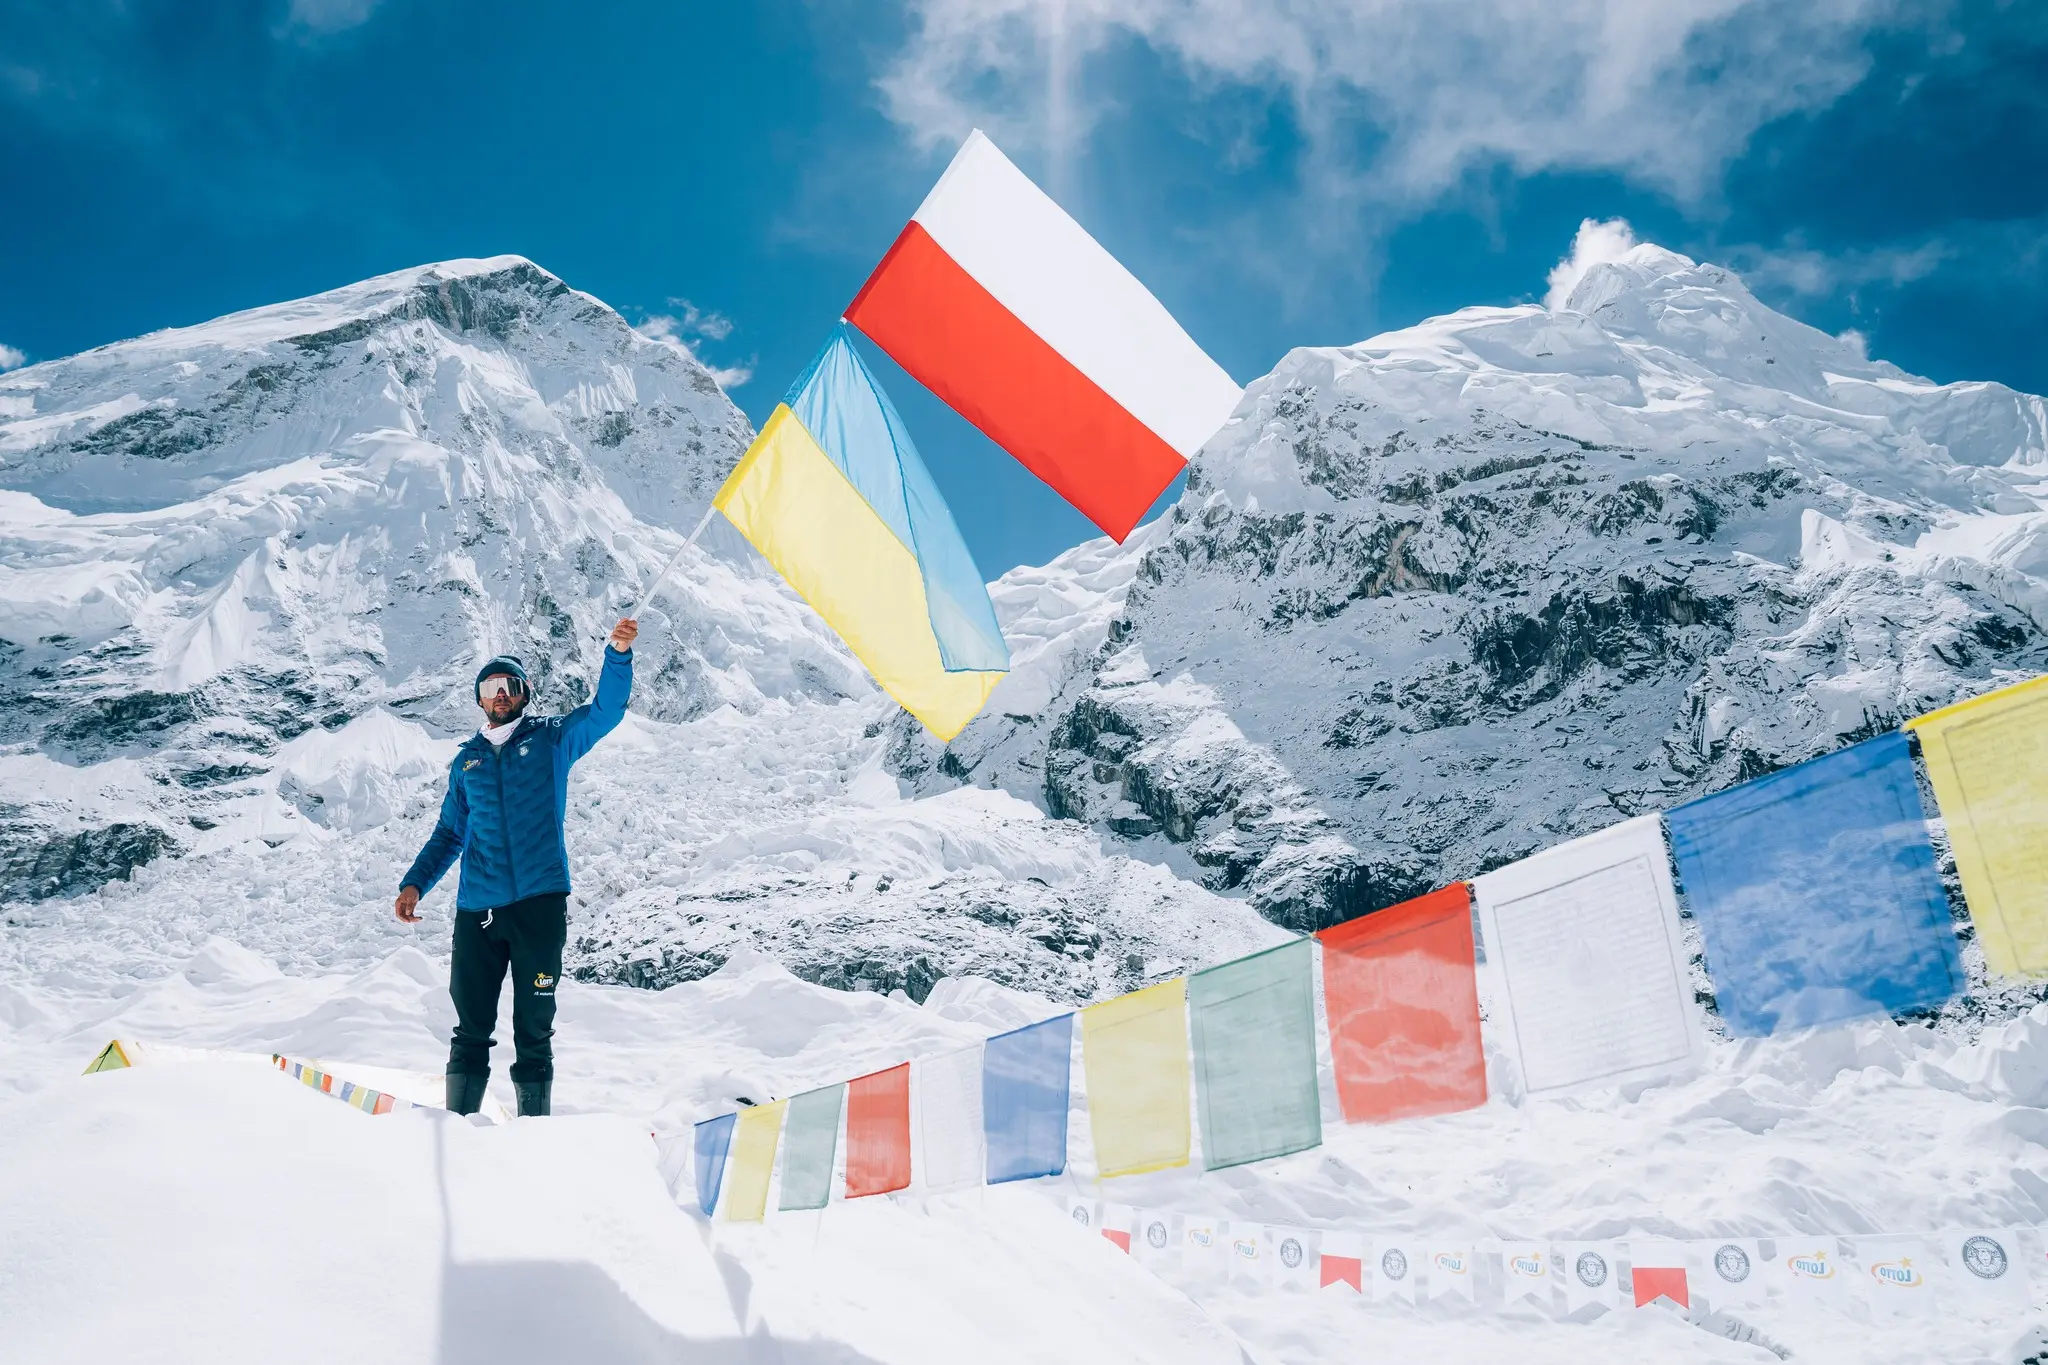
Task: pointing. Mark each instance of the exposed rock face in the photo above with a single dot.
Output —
(216, 539)
(1457, 593)
(247, 570)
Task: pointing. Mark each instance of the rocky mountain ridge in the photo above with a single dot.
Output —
(1458, 592)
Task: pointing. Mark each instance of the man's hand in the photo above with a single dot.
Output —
(624, 633)
(407, 906)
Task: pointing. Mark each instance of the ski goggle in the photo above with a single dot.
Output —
(498, 685)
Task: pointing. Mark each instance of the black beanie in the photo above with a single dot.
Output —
(506, 664)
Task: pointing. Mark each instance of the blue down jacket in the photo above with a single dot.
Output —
(503, 812)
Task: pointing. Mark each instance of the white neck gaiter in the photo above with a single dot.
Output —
(498, 734)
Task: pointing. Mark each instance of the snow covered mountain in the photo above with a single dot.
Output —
(1468, 589)
(1430, 602)
(248, 568)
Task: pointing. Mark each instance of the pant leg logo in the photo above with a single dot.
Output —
(542, 981)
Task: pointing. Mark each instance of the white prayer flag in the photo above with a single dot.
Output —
(1986, 1268)
(1525, 1270)
(1083, 1211)
(1293, 1252)
(1731, 1271)
(947, 1092)
(1251, 1257)
(1589, 1274)
(1810, 1267)
(1583, 944)
(1156, 1238)
(1396, 1266)
(1897, 1275)
(1451, 1273)
(1344, 1259)
(1204, 1246)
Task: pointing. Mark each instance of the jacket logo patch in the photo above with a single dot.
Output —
(542, 981)
(471, 764)
(522, 751)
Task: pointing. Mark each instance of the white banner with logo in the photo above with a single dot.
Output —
(1731, 1271)
(1986, 1267)
(1396, 1266)
(1809, 1267)
(1898, 1275)
(1204, 1247)
(1251, 1259)
(1452, 1274)
(1156, 1241)
(1589, 1274)
(1294, 1252)
(1525, 1269)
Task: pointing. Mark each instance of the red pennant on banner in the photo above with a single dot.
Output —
(878, 1132)
(1655, 1282)
(1403, 1002)
(1343, 1270)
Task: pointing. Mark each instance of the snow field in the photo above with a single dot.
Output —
(1850, 1132)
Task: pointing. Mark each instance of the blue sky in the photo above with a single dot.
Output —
(1280, 172)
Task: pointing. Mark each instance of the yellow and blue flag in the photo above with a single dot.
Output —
(834, 494)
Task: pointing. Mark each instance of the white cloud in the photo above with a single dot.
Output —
(329, 16)
(1797, 269)
(1594, 244)
(1664, 92)
(675, 330)
(1856, 341)
(11, 357)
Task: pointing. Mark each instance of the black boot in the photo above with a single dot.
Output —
(466, 1093)
(533, 1098)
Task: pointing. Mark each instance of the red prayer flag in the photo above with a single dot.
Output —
(1402, 996)
(878, 1132)
(1119, 1238)
(1343, 1270)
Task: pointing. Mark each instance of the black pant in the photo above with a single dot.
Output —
(527, 936)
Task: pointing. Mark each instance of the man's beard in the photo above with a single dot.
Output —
(518, 710)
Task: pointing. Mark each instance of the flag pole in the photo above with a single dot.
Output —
(647, 594)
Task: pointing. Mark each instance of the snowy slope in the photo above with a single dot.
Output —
(142, 1184)
(1465, 590)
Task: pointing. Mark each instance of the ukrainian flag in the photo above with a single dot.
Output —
(833, 493)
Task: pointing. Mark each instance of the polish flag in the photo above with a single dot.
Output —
(1003, 306)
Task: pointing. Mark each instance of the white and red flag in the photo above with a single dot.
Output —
(1002, 305)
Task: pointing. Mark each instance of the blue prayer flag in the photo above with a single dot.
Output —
(1817, 894)
(713, 1141)
(1024, 1075)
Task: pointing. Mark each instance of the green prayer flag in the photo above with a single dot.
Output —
(1255, 1056)
(810, 1139)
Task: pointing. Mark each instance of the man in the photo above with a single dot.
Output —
(508, 789)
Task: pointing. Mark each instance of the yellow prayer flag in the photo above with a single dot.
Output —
(753, 1161)
(1135, 1049)
(1988, 757)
